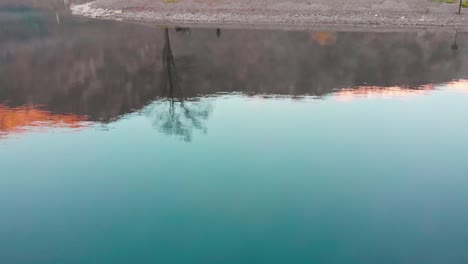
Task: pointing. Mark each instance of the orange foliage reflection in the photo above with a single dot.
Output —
(324, 38)
(20, 119)
(459, 86)
(395, 92)
(372, 92)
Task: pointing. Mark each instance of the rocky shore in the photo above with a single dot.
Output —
(363, 13)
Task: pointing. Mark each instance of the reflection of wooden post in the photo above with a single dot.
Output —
(459, 8)
(455, 45)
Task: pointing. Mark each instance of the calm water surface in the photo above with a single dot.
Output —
(126, 143)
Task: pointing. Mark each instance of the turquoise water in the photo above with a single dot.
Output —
(102, 162)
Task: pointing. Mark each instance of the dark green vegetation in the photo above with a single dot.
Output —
(462, 3)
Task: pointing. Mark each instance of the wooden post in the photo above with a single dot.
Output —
(460, 7)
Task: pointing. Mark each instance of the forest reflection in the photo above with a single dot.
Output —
(103, 70)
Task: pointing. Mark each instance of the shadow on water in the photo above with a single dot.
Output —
(103, 70)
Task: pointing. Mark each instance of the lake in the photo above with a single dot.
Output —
(136, 143)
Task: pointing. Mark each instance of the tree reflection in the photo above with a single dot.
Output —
(173, 114)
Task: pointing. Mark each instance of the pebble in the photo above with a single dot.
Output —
(267, 17)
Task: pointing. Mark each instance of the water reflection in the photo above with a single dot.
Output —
(104, 70)
(21, 119)
(172, 114)
(455, 45)
(288, 179)
(370, 92)
(50, 5)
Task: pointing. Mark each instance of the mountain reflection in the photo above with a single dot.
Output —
(103, 70)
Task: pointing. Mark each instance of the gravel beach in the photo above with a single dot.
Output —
(362, 13)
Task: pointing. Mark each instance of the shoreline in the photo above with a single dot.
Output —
(380, 19)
